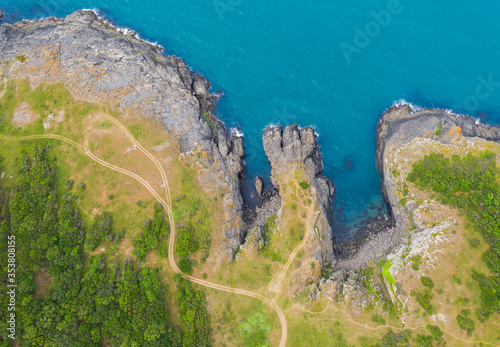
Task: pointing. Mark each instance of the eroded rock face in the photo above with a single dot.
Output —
(405, 137)
(420, 225)
(400, 126)
(100, 64)
(291, 150)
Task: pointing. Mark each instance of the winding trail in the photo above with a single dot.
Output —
(168, 207)
(276, 282)
(349, 319)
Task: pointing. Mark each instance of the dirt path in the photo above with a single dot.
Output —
(365, 326)
(276, 282)
(168, 207)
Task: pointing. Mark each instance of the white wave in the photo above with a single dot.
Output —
(273, 125)
(403, 102)
(237, 132)
(315, 128)
(123, 30)
(416, 108)
(25, 20)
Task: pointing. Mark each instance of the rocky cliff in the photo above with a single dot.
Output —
(421, 223)
(294, 155)
(103, 65)
(421, 226)
(397, 128)
(400, 125)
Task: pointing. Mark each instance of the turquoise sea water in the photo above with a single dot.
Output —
(334, 65)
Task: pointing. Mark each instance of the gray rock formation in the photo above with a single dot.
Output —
(290, 149)
(259, 186)
(398, 126)
(401, 125)
(100, 64)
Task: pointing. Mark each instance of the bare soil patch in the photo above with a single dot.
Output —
(24, 115)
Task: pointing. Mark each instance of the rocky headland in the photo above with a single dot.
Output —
(419, 224)
(101, 64)
(291, 151)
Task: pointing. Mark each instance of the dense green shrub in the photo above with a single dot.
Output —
(186, 242)
(195, 319)
(255, 331)
(304, 185)
(470, 183)
(185, 266)
(439, 129)
(427, 282)
(435, 332)
(474, 243)
(91, 302)
(99, 230)
(378, 319)
(392, 339)
(424, 299)
(424, 340)
(154, 235)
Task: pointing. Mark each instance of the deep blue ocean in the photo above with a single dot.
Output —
(335, 65)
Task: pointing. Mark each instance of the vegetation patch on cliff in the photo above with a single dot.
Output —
(471, 184)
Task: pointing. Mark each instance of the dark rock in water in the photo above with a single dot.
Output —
(348, 165)
(1, 16)
(259, 185)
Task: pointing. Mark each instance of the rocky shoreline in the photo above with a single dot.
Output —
(106, 65)
(398, 126)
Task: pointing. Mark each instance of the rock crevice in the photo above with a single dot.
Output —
(292, 150)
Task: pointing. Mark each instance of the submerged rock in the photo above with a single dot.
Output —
(259, 186)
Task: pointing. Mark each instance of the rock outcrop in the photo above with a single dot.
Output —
(290, 151)
(404, 137)
(400, 125)
(103, 65)
(259, 186)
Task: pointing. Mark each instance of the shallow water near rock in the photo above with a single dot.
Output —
(333, 65)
